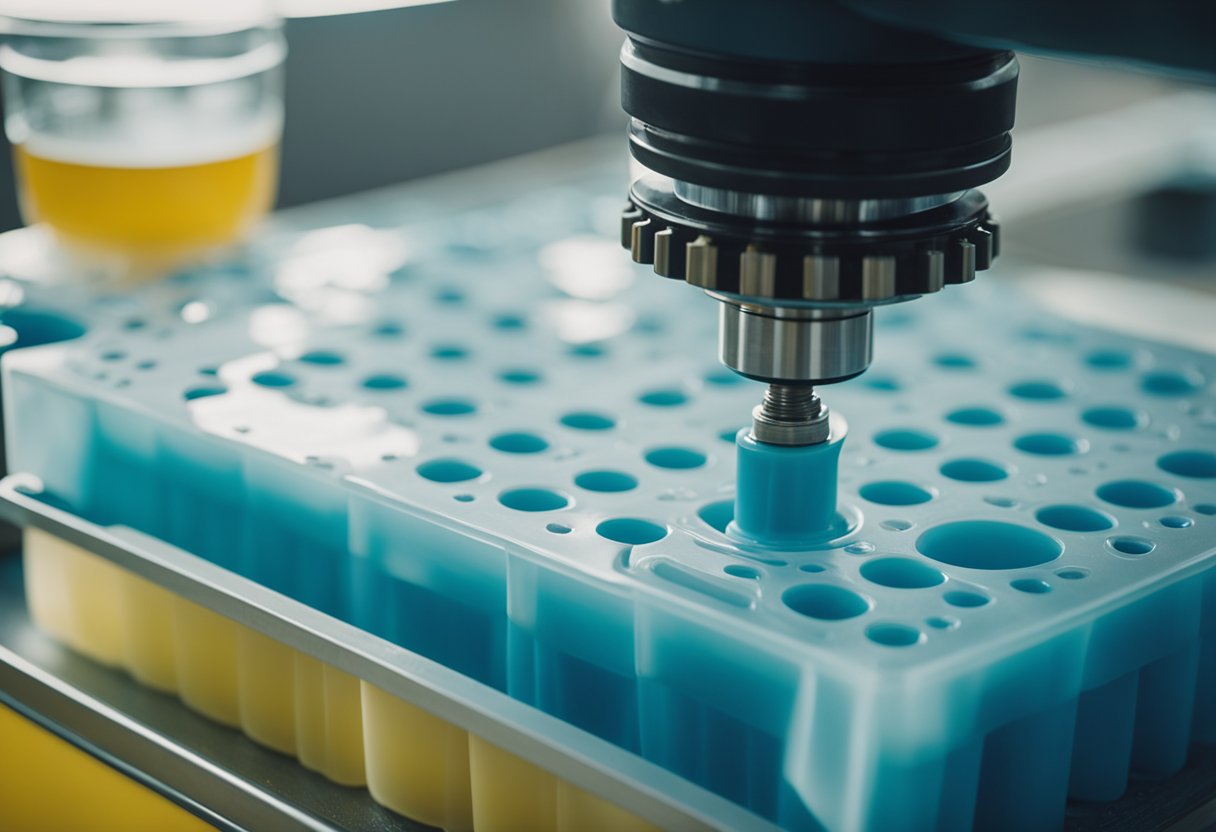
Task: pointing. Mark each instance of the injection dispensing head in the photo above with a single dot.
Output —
(804, 181)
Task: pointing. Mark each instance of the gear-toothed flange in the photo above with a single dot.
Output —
(866, 264)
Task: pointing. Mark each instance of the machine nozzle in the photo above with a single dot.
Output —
(790, 415)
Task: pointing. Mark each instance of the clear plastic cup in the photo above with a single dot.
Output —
(145, 144)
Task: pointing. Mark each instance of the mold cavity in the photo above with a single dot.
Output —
(449, 352)
(896, 525)
(811, 567)
(1032, 586)
(1171, 383)
(966, 600)
(533, 499)
(729, 435)
(943, 622)
(1074, 518)
(34, 328)
(519, 443)
(975, 417)
(464, 498)
(902, 439)
(1113, 418)
(664, 398)
(384, 381)
(1175, 522)
(631, 531)
(895, 493)
(1049, 444)
(988, 544)
(509, 321)
(1205, 508)
(606, 481)
(954, 361)
(449, 407)
(1109, 359)
(1136, 494)
(448, 470)
(974, 470)
(113, 355)
(722, 378)
(1038, 390)
(825, 602)
(675, 458)
(589, 351)
(449, 297)
(1072, 573)
(1196, 464)
(884, 383)
(325, 358)
(588, 421)
(738, 570)
(1001, 502)
(203, 391)
(1132, 545)
(273, 378)
(893, 635)
(388, 329)
(901, 573)
(718, 515)
(520, 376)
(557, 528)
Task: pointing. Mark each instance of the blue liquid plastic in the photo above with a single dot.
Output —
(492, 440)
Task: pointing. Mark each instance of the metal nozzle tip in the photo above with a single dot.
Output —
(790, 415)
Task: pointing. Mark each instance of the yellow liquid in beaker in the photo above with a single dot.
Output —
(154, 206)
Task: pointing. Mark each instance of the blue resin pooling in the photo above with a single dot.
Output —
(492, 440)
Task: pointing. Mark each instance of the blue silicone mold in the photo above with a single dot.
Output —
(491, 439)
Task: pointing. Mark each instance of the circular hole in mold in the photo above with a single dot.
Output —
(1171, 382)
(449, 352)
(825, 602)
(588, 351)
(1031, 586)
(901, 573)
(134, 324)
(449, 407)
(1136, 494)
(1071, 518)
(533, 499)
(35, 327)
(558, 528)
(449, 297)
(1205, 508)
(520, 375)
(323, 358)
(738, 570)
(1194, 464)
(905, 439)
(208, 371)
(668, 397)
(1114, 418)
(975, 417)
(1049, 444)
(1129, 545)
(895, 493)
(988, 544)
(509, 321)
(388, 329)
(1176, 522)
(464, 498)
(729, 435)
(606, 481)
(894, 635)
(448, 470)
(896, 525)
(1038, 390)
(1109, 359)
(1072, 573)
(1002, 502)
(519, 442)
(954, 361)
(384, 381)
(273, 378)
(974, 470)
(722, 378)
(943, 622)
(631, 531)
(113, 355)
(203, 391)
(965, 600)
(675, 458)
(718, 515)
(812, 568)
(885, 384)
(583, 420)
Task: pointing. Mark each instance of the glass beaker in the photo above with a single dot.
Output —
(146, 144)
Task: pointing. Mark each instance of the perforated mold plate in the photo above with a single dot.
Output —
(492, 440)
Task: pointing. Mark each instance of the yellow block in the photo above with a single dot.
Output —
(329, 721)
(75, 596)
(266, 683)
(417, 764)
(512, 795)
(48, 785)
(207, 661)
(147, 631)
